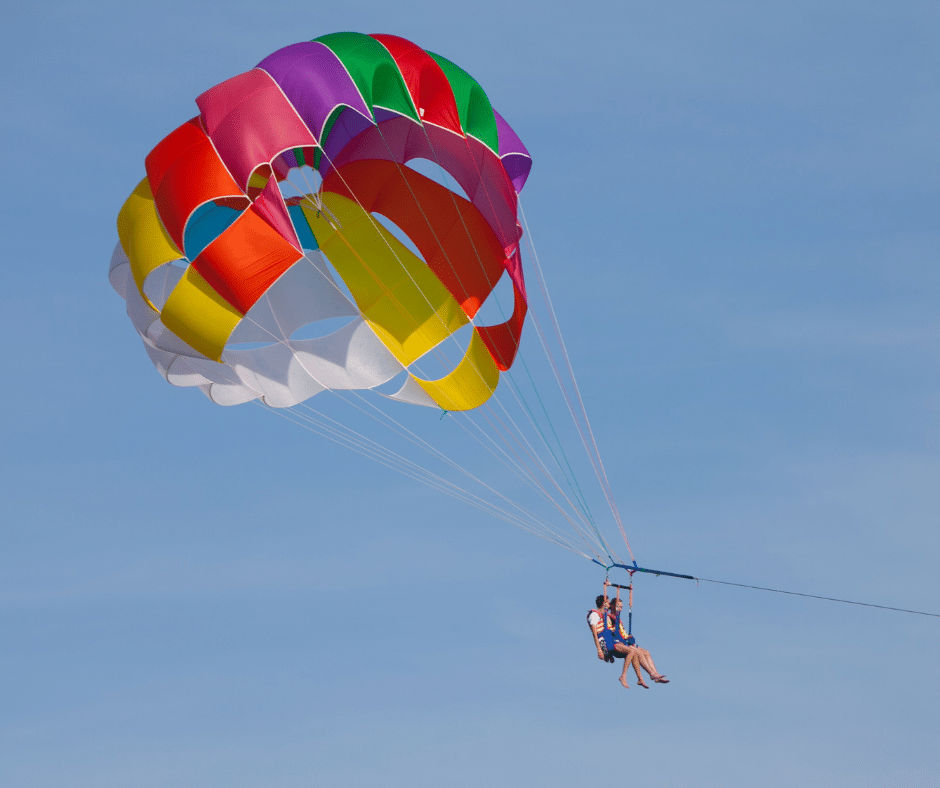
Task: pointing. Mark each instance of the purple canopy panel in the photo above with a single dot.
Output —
(516, 159)
(285, 162)
(315, 81)
(348, 126)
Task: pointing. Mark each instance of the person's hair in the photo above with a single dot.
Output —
(614, 601)
(599, 601)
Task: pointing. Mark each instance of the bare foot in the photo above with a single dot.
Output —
(623, 680)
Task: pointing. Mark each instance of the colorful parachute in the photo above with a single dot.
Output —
(221, 271)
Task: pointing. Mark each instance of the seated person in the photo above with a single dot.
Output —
(642, 656)
(604, 630)
(595, 619)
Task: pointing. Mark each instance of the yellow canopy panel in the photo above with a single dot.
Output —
(401, 298)
(471, 383)
(142, 235)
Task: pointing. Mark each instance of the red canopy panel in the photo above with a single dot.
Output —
(184, 172)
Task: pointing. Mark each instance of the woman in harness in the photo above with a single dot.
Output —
(641, 657)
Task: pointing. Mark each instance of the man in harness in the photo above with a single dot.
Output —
(595, 619)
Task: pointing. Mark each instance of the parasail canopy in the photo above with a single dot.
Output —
(222, 266)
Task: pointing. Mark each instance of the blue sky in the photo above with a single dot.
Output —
(735, 205)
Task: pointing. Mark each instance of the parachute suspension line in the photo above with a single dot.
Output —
(580, 427)
(399, 463)
(595, 455)
(501, 430)
(508, 436)
(367, 268)
(421, 443)
(372, 453)
(456, 273)
(395, 255)
(519, 398)
(573, 476)
(574, 419)
(386, 420)
(570, 476)
(529, 477)
(523, 473)
(389, 459)
(373, 450)
(339, 174)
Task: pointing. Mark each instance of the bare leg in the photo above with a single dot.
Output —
(629, 658)
(644, 658)
(636, 667)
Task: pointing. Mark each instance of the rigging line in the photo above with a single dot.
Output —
(511, 190)
(570, 478)
(506, 433)
(505, 459)
(601, 471)
(280, 340)
(550, 356)
(532, 480)
(516, 392)
(587, 522)
(571, 409)
(482, 505)
(434, 451)
(446, 176)
(404, 432)
(534, 519)
(421, 443)
(516, 430)
(522, 469)
(392, 457)
(602, 474)
(824, 598)
(420, 207)
(456, 273)
(551, 359)
(580, 505)
(526, 475)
